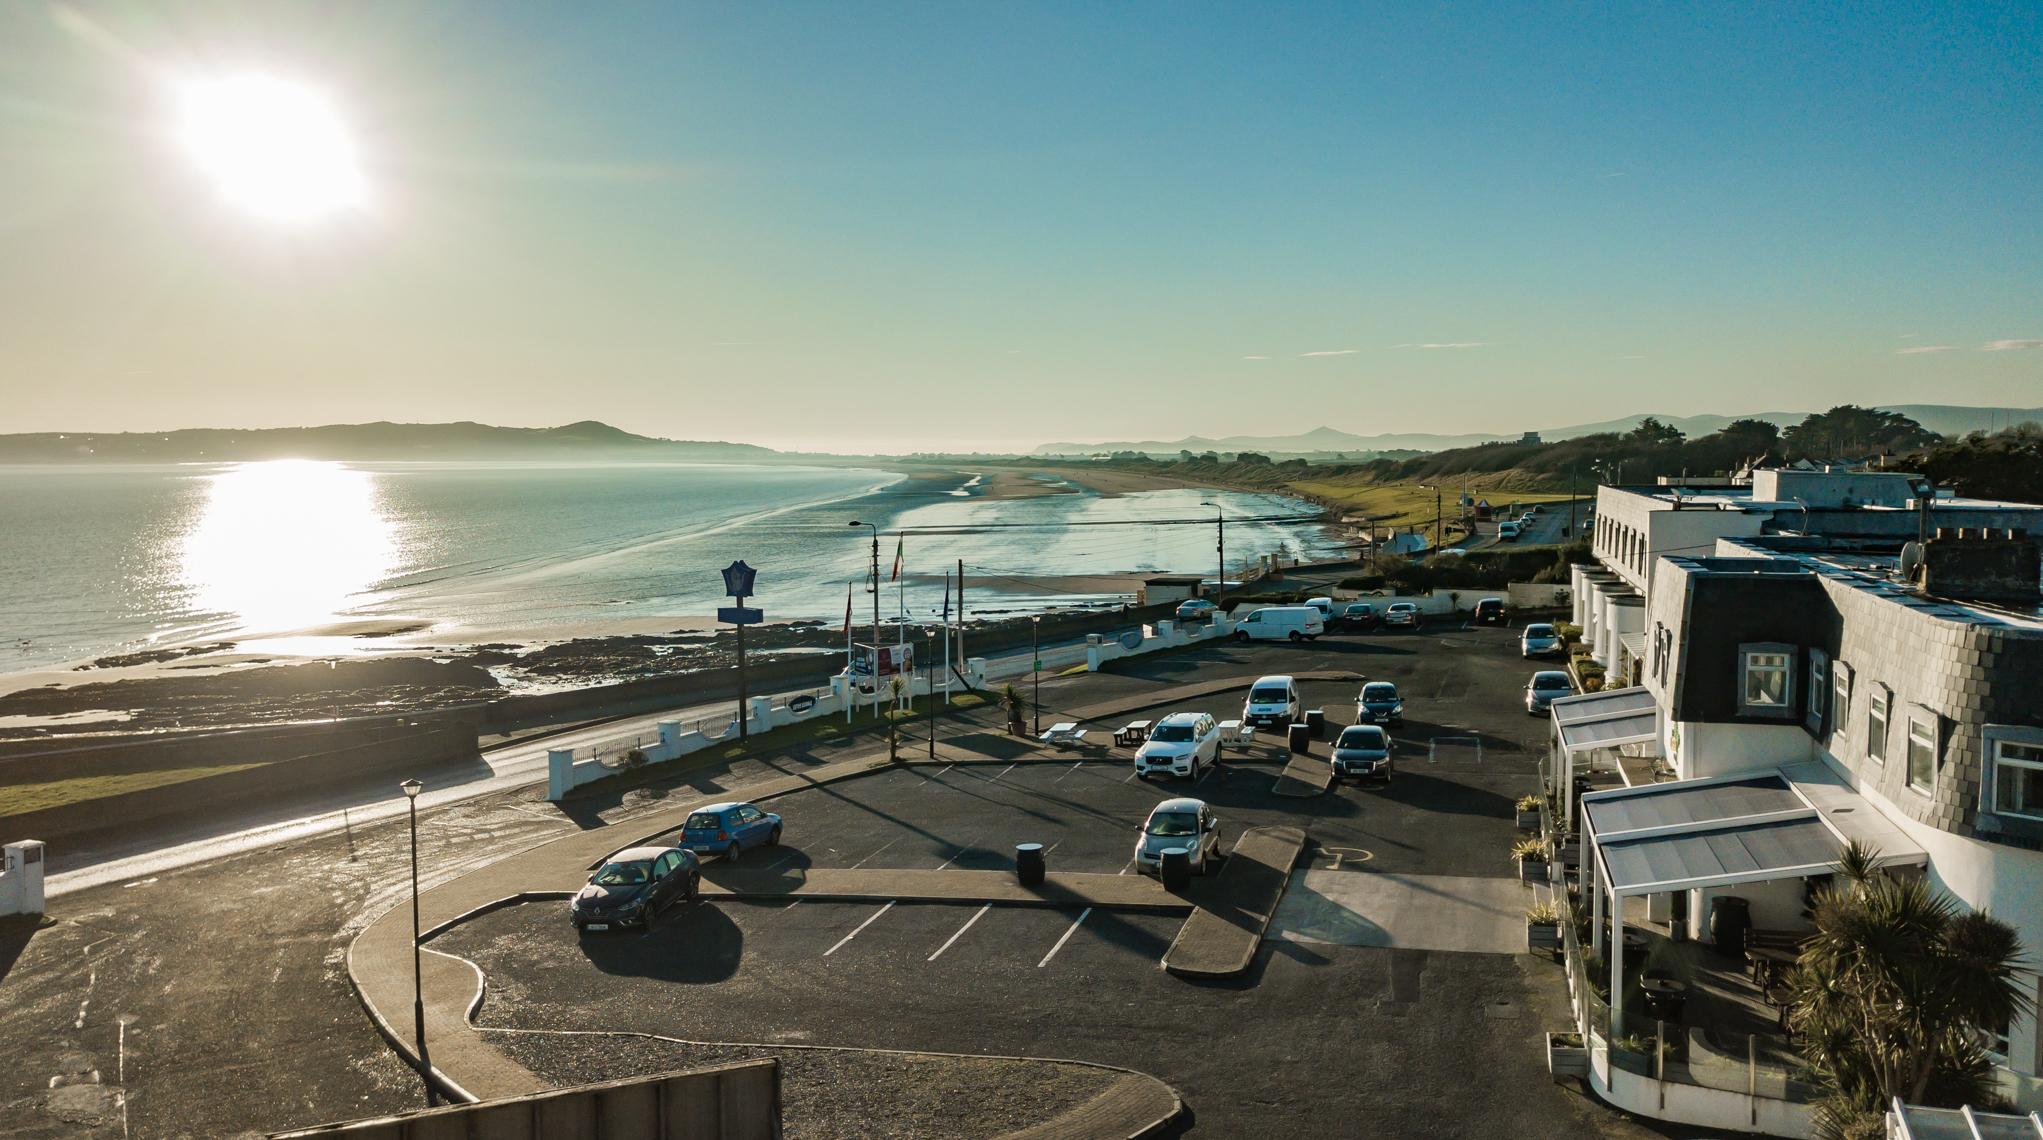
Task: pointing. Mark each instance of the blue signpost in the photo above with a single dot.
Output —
(738, 580)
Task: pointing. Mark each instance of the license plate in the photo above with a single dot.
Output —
(597, 926)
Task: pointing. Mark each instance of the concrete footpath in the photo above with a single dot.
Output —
(380, 959)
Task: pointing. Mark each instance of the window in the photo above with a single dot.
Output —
(1766, 680)
(1840, 698)
(1819, 692)
(1922, 751)
(2018, 778)
(1877, 699)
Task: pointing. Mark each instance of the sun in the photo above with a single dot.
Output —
(270, 146)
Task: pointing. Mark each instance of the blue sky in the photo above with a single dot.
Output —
(861, 225)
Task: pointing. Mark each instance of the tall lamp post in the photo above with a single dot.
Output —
(929, 670)
(872, 587)
(411, 790)
(1036, 667)
(1219, 545)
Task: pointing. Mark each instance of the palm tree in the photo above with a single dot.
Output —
(1890, 994)
(1014, 704)
(894, 688)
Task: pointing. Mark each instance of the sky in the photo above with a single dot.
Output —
(865, 226)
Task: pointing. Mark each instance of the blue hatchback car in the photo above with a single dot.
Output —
(728, 829)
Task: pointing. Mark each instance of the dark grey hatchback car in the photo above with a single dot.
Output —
(634, 886)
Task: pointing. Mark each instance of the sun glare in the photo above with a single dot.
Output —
(287, 545)
(275, 148)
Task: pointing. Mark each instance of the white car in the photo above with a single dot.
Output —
(1272, 700)
(1540, 639)
(1325, 606)
(1186, 823)
(1281, 623)
(1181, 744)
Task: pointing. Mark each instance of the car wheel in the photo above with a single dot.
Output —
(733, 851)
(773, 837)
(1297, 636)
(1241, 637)
(695, 886)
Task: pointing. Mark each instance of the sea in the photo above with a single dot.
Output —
(316, 558)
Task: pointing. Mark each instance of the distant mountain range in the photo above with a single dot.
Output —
(377, 441)
(1947, 419)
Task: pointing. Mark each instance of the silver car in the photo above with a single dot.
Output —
(1539, 640)
(1182, 822)
(1546, 686)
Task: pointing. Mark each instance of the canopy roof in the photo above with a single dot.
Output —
(1606, 720)
(1785, 823)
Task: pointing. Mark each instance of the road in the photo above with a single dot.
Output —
(501, 769)
(1547, 529)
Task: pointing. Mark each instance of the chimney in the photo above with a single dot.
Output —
(1983, 565)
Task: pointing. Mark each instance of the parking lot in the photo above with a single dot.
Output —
(1364, 1013)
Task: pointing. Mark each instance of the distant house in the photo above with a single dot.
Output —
(1529, 437)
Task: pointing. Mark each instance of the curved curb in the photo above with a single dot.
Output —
(1043, 1130)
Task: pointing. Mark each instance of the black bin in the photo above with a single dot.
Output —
(1316, 719)
(1174, 867)
(1730, 918)
(1028, 864)
(1301, 738)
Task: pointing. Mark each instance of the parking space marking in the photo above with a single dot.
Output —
(1003, 772)
(976, 916)
(929, 780)
(856, 929)
(953, 858)
(1063, 940)
(883, 847)
(1067, 772)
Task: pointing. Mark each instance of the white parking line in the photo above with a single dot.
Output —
(1067, 772)
(1003, 772)
(1063, 940)
(961, 931)
(928, 780)
(1131, 776)
(856, 929)
(883, 847)
(1124, 867)
(954, 855)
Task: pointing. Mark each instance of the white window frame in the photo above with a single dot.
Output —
(1925, 718)
(1840, 700)
(1997, 749)
(1818, 701)
(1785, 708)
(1880, 711)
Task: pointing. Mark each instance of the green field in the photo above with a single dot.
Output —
(58, 793)
(1409, 504)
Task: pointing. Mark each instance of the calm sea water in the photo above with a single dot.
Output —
(301, 556)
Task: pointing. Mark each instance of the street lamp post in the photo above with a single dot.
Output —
(873, 587)
(1036, 668)
(929, 670)
(418, 992)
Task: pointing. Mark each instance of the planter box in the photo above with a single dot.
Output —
(1528, 820)
(1532, 871)
(1543, 936)
(1566, 1060)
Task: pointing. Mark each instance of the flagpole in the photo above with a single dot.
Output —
(850, 682)
(946, 636)
(901, 618)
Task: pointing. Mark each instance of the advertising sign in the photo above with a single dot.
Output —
(869, 662)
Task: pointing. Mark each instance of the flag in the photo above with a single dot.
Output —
(900, 549)
(847, 609)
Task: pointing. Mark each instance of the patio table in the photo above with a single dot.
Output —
(1132, 732)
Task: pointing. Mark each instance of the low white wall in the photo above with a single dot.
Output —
(1104, 647)
(1694, 1104)
(564, 772)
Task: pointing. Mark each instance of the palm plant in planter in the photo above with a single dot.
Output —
(1632, 1052)
(1543, 928)
(1015, 705)
(1532, 860)
(1528, 813)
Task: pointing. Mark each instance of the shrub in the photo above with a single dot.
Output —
(1528, 849)
(1528, 803)
(1568, 630)
(1543, 914)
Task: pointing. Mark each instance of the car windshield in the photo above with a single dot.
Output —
(1384, 692)
(704, 821)
(1545, 683)
(1361, 609)
(1359, 737)
(1539, 631)
(1269, 696)
(623, 874)
(1403, 607)
(1171, 823)
(1171, 733)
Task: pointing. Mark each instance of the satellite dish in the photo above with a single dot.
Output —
(1911, 561)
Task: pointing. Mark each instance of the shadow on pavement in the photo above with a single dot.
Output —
(713, 943)
(1419, 789)
(15, 932)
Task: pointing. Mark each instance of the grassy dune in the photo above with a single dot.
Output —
(57, 793)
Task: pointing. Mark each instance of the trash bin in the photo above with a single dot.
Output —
(1301, 738)
(1316, 719)
(1175, 869)
(1730, 918)
(1028, 864)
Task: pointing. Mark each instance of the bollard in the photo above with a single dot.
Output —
(1316, 719)
(1175, 869)
(1028, 864)
(1301, 738)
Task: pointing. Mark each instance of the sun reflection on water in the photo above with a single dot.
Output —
(287, 545)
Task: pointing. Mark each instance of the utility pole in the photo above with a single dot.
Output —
(929, 645)
(872, 586)
(961, 615)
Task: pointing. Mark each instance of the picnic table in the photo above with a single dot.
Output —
(1063, 733)
(1237, 734)
(1131, 733)
(1771, 952)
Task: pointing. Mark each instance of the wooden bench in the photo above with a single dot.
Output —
(1063, 735)
(1131, 734)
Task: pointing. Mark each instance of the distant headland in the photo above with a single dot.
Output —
(373, 441)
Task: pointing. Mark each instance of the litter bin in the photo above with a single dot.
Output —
(1175, 869)
(1301, 738)
(1028, 864)
(1730, 918)
(1316, 719)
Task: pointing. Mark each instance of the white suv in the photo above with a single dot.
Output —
(1181, 744)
